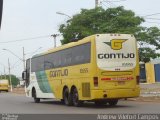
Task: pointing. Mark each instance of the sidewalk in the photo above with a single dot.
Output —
(149, 93)
(150, 90)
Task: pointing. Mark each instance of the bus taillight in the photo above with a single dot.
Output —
(95, 80)
(137, 79)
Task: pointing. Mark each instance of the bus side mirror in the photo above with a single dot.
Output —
(24, 75)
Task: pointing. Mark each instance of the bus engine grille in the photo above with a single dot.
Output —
(86, 90)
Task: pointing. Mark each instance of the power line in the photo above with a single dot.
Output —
(26, 39)
(152, 22)
(15, 64)
(114, 1)
(153, 18)
(103, 4)
(109, 2)
(151, 14)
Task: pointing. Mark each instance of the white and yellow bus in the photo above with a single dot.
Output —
(102, 68)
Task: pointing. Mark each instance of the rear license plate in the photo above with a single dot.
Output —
(121, 82)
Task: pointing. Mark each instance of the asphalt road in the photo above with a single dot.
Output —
(19, 104)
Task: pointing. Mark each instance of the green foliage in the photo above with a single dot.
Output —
(94, 21)
(146, 53)
(149, 41)
(14, 79)
(112, 20)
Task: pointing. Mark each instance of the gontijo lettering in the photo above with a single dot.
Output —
(59, 73)
(116, 55)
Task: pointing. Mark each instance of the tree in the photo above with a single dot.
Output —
(14, 79)
(112, 20)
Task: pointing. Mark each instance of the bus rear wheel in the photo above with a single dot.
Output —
(113, 102)
(36, 100)
(67, 97)
(75, 98)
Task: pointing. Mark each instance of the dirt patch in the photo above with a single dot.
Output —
(150, 90)
(18, 90)
(149, 93)
(145, 99)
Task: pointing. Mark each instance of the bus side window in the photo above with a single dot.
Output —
(48, 65)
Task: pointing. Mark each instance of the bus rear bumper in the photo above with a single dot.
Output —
(115, 93)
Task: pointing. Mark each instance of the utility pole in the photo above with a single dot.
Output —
(4, 73)
(10, 74)
(55, 36)
(96, 3)
(24, 60)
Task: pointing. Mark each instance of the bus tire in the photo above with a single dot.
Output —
(62, 100)
(75, 98)
(67, 97)
(34, 95)
(113, 102)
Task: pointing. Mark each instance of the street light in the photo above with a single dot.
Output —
(12, 53)
(23, 60)
(60, 13)
(55, 35)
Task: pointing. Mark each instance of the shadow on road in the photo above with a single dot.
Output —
(88, 105)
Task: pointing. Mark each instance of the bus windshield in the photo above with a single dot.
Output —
(116, 52)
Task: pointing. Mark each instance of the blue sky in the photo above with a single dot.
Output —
(31, 18)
